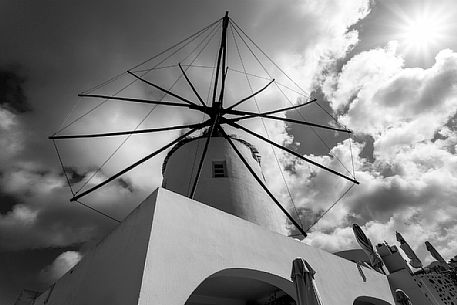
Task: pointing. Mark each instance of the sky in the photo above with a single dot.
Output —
(387, 70)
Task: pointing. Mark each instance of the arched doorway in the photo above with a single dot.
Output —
(239, 286)
(366, 300)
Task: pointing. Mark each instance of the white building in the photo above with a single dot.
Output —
(222, 248)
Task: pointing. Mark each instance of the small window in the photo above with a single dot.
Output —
(219, 169)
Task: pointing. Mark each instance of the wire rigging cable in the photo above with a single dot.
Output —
(320, 138)
(266, 78)
(266, 130)
(210, 35)
(331, 207)
(214, 110)
(63, 168)
(282, 92)
(73, 193)
(191, 38)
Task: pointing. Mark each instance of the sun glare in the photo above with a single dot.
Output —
(423, 31)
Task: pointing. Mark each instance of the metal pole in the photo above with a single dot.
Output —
(224, 55)
(220, 55)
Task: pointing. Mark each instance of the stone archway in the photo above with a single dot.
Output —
(236, 286)
(366, 300)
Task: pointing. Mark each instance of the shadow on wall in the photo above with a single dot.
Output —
(243, 286)
(365, 300)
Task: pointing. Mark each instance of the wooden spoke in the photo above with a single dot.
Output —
(279, 110)
(137, 100)
(133, 165)
(121, 133)
(289, 108)
(250, 96)
(248, 115)
(202, 159)
(162, 89)
(191, 86)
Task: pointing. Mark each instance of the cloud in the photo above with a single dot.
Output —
(340, 239)
(412, 192)
(41, 215)
(409, 184)
(12, 93)
(8, 202)
(318, 42)
(409, 223)
(363, 70)
(62, 264)
(395, 105)
(29, 179)
(11, 135)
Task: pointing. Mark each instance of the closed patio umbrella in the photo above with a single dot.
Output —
(305, 286)
(414, 260)
(402, 298)
(367, 247)
(436, 254)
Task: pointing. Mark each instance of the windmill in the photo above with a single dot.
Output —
(218, 115)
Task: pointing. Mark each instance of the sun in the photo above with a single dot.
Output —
(422, 31)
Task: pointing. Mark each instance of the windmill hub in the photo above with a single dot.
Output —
(215, 110)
